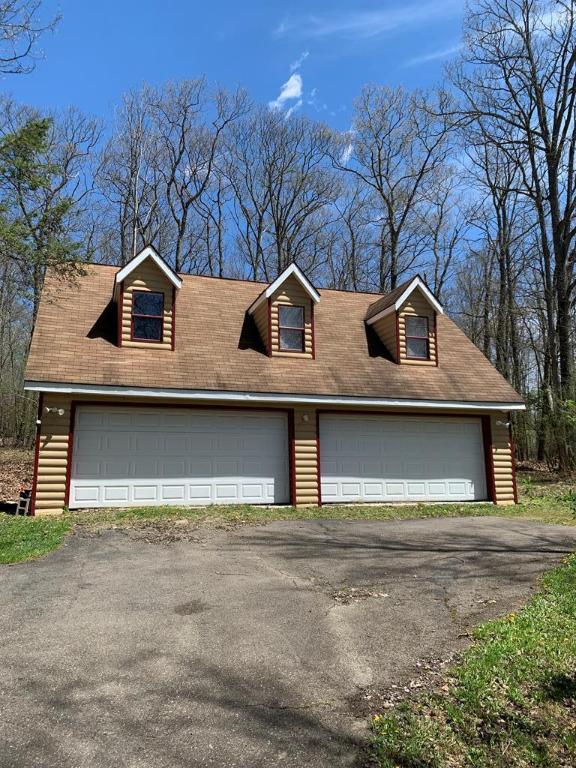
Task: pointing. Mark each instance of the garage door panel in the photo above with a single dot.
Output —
(386, 458)
(118, 467)
(176, 444)
(178, 456)
(141, 468)
(373, 490)
(143, 493)
(116, 493)
(199, 494)
(172, 468)
(173, 492)
(86, 418)
(91, 441)
(88, 494)
(395, 491)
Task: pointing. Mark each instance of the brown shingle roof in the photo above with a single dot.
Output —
(73, 342)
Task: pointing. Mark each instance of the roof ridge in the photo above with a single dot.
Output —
(188, 275)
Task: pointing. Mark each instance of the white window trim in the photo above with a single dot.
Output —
(264, 397)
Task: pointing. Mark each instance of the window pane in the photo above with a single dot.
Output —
(291, 340)
(148, 328)
(417, 326)
(147, 303)
(293, 317)
(417, 348)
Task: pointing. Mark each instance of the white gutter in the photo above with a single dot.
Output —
(264, 397)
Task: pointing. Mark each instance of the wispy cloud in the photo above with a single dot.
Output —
(553, 19)
(365, 24)
(293, 109)
(440, 53)
(290, 90)
(299, 61)
(346, 153)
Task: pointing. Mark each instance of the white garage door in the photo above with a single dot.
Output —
(387, 458)
(129, 456)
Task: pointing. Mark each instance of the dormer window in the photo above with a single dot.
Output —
(284, 315)
(417, 335)
(291, 329)
(145, 292)
(406, 322)
(147, 316)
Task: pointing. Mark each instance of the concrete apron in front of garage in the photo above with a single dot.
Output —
(242, 647)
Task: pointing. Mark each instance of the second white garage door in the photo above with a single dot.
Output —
(387, 458)
(129, 456)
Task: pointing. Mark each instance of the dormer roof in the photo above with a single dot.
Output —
(292, 271)
(396, 298)
(148, 253)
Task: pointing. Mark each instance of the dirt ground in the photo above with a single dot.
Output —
(16, 467)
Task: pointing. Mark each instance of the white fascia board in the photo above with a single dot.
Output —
(294, 270)
(385, 312)
(416, 283)
(263, 397)
(148, 253)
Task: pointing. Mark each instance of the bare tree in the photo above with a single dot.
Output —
(516, 82)
(445, 223)
(20, 28)
(349, 248)
(283, 188)
(210, 209)
(189, 124)
(395, 146)
(128, 179)
(157, 172)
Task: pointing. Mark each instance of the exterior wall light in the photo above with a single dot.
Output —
(59, 411)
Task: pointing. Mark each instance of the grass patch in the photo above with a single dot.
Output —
(238, 514)
(509, 703)
(25, 538)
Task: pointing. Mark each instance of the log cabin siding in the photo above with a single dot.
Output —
(146, 277)
(417, 305)
(386, 330)
(503, 461)
(52, 469)
(291, 293)
(306, 459)
(261, 320)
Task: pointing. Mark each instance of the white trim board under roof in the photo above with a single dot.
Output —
(275, 398)
(148, 253)
(295, 271)
(417, 282)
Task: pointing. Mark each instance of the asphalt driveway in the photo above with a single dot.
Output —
(242, 647)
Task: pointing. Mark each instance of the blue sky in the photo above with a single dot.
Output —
(321, 51)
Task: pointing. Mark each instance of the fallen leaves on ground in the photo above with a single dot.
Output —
(16, 469)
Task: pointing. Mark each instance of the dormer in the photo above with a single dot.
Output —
(284, 315)
(405, 321)
(145, 294)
